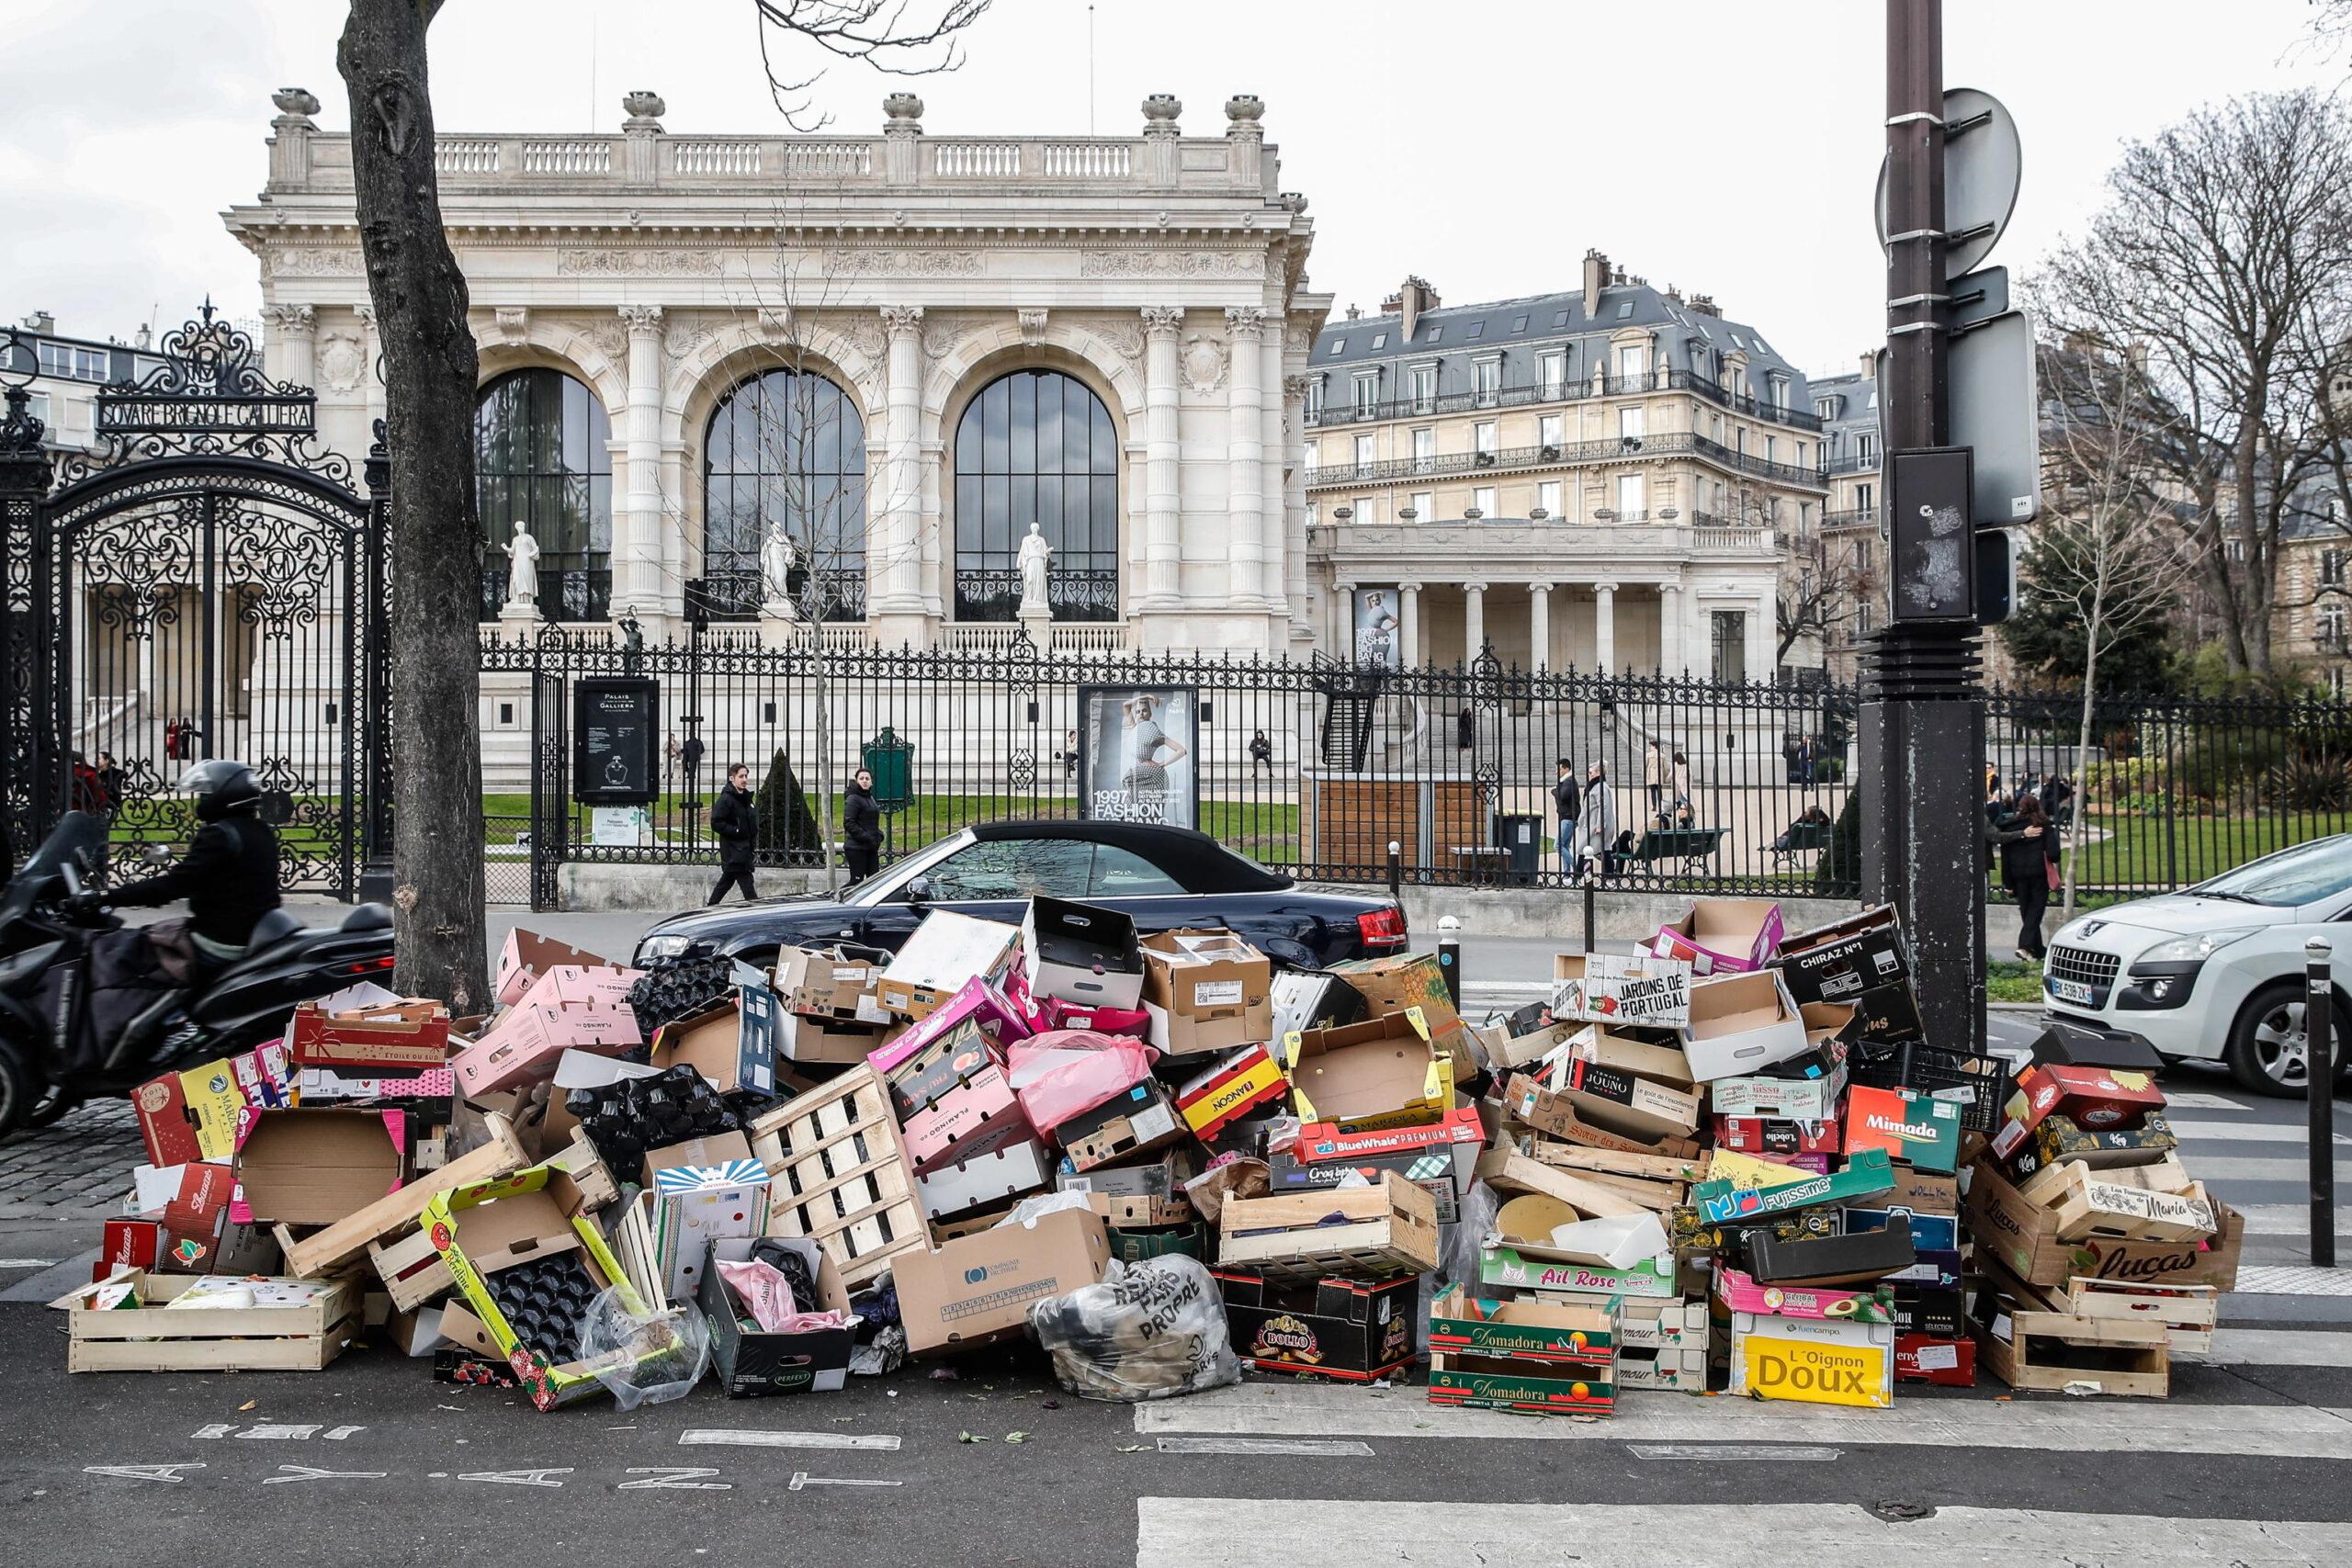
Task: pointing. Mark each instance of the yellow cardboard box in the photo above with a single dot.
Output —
(1813, 1361)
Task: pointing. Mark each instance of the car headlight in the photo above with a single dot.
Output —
(2193, 949)
(659, 946)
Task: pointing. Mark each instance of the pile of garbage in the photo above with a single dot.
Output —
(1726, 1161)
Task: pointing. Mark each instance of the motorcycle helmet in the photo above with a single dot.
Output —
(222, 785)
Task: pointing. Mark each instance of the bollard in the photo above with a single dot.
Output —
(1449, 956)
(1588, 915)
(2319, 1088)
(1395, 869)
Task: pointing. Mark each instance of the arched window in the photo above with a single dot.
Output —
(1036, 446)
(542, 457)
(789, 446)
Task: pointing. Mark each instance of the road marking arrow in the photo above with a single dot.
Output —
(170, 1472)
(517, 1477)
(673, 1478)
(309, 1473)
(801, 1478)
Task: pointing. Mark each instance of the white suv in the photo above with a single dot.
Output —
(2215, 971)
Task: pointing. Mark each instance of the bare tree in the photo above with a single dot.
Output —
(430, 374)
(2107, 552)
(2224, 257)
(1821, 593)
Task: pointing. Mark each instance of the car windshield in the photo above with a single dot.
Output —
(2303, 875)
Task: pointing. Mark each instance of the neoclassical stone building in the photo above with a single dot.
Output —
(901, 349)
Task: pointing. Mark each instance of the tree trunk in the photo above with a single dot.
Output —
(430, 370)
(2081, 774)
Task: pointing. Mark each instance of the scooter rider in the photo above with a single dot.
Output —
(229, 876)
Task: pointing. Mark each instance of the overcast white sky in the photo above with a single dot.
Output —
(1724, 145)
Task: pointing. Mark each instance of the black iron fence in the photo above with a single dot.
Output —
(1315, 767)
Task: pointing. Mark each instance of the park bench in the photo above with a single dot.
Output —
(1687, 845)
(1801, 839)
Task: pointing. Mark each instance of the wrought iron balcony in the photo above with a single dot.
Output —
(1623, 448)
(1335, 414)
(1851, 463)
(993, 594)
(1853, 517)
(735, 594)
(570, 589)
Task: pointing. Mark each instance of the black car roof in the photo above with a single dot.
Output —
(1199, 862)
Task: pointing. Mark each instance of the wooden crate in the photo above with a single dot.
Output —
(2085, 1203)
(1649, 1193)
(2047, 1350)
(842, 1176)
(225, 1339)
(2187, 1311)
(320, 1252)
(411, 1269)
(1389, 1230)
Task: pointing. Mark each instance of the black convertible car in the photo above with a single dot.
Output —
(1162, 878)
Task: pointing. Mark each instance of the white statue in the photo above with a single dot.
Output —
(1034, 554)
(778, 555)
(523, 567)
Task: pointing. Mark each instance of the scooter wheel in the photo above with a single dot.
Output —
(21, 1088)
(52, 1107)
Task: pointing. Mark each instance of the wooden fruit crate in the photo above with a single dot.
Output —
(411, 1269)
(1658, 1192)
(842, 1176)
(2189, 1312)
(214, 1339)
(2048, 1352)
(2083, 1204)
(320, 1252)
(1382, 1232)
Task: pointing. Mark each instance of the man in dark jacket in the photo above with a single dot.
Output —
(1568, 800)
(229, 876)
(861, 827)
(735, 821)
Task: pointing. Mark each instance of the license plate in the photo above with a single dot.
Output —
(2068, 992)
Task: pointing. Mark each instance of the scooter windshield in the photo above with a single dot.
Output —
(78, 840)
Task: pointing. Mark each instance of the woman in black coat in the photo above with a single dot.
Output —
(2027, 861)
(862, 828)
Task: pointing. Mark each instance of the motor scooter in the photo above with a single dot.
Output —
(85, 1013)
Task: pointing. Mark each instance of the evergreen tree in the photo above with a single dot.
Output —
(787, 829)
(1842, 860)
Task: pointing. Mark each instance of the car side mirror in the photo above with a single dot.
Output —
(919, 890)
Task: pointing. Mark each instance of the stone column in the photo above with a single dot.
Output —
(1245, 438)
(293, 334)
(1162, 581)
(1287, 585)
(1473, 621)
(1270, 479)
(1671, 656)
(1408, 623)
(1604, 627)
(1538, 624)
(636, 576)
(371, 357)
(893, 578)
(1760, 642)
(901, 139)
(1344, 617)
(640, 152)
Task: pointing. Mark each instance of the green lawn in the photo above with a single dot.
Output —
(2017, 982)
(2149, 851)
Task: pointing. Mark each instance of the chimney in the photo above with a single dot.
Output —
(1870, 362)
(144, 338)
(41, 322)
(1354, 314)
(1411, 302)
(1596, 278)
(1705, 304)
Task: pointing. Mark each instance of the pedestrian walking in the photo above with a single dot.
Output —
(861, 827)
(1067, 755)
(1681, 785)
(1808, 759)
(691, 755)
(1262, 753)
(1792, 759)
(671, 757)
(1598, 825)
(736, 821)
(1568, 803)
(1654, 776)
(2030, 855)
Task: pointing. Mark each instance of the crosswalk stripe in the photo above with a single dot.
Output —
(1207, 1533)
(2286, 1219)
(2221, 1172)
(2185, 1101)
(2291, 1279)
(1276, 1410)
(2274, 1348)
(2194, 1132)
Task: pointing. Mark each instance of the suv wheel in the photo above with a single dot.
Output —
(2269, 1044)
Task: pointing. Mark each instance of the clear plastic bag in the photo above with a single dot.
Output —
(1150, 1330)
(643, 1358)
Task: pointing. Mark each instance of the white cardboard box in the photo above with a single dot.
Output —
(1740, 1024)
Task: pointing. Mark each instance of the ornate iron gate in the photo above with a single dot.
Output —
(551, 784)
(206, 584)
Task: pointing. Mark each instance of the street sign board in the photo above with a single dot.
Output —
(1932, 573)
(1978, 296)
(1984, 162)
(1994, 407)
(1997, 576)
(615, 748)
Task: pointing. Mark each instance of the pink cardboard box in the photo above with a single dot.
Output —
(1723, 936)
(1868, 1304)
(977, 1000)
(981, 1116)
(567, 1008)
(527, 955)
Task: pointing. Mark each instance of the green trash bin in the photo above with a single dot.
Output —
(892, 762)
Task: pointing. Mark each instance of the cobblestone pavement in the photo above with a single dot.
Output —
(78, 1169)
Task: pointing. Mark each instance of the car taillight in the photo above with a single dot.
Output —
(1381, 928)
(369, 966)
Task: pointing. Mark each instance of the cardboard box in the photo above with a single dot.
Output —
(1401, 981)
(1538, 1357)
(1458, 1129)
(1443, 1171)
(1517, 1043)
(2095, 1099)
(1838, 962)
(1370, 1231)
(825, 983)
(946, 952)
(2023, 1236)
(1053, 1013)
(1352, 1330)
(1723, 936)
(1829, 1259)
(989, 1180)
(1930, 1232)
(976, 1002)
(1813, 1361)
(978, 1289)
(1623, 1053)
(1950, 1361)
(1742, 1169)
(567, 1007)
(1937, 1310)
(182, 1210)
(1135, 1197)
(1205, 991)
(1922, 1133)
(979, 1115)
(314, 1168)
(1509, 1267)
(336, 1089)
(1609, 988)
(194, 1115)
(1142, 1119)
(1887, 1015)
(486, 1226)
(1311, 998)
(1741, 1292)
(1551, 1111)
(704, 1190)
(1383, 1072)
(752, 1361)
(2056, 1138)
(526, 956)
(1228, 1088)
(1866, 1175)
(1624, 1104)
(829, 1042)
(1080, 952)
(1776, 1139)
(1740, 1023)
(403, 1036)
(940, 1068)
(732, 1045)
(1814, 1101)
